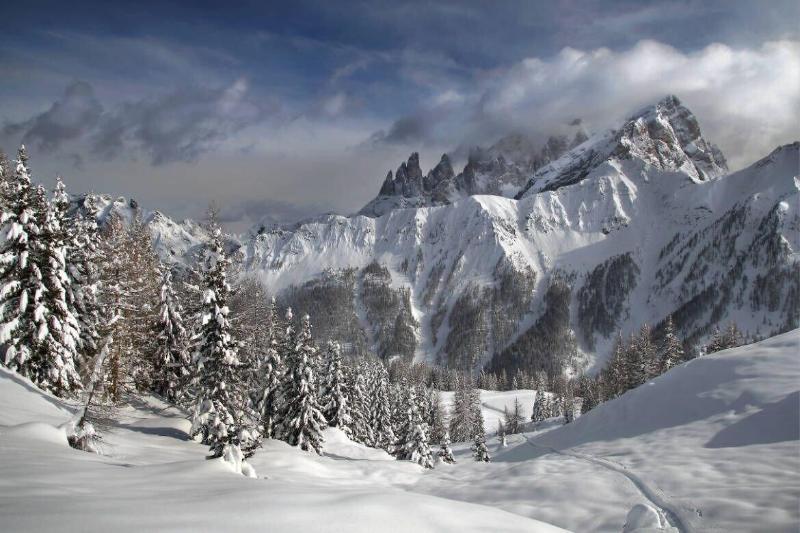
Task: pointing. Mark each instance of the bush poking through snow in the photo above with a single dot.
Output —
(233, 455)
(83, 437)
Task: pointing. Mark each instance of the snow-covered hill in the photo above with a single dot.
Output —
(152, 478)
(712, 445)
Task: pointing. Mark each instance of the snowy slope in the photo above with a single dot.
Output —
(151, 478)
(714, 444)
(720, 436)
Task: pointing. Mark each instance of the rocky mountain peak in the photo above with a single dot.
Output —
(667, 135)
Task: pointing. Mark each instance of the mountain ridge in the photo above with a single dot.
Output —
(543, 282)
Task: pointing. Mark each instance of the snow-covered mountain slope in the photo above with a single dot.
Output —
(717, 438)
(712, 445)
(152, 478)
(174, 242)
(626, 228)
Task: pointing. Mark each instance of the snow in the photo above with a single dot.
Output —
(151, 477)
(712, 445)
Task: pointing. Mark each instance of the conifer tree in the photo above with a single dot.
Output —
(732, 337)
(479, 451)
(512, 420)
(59, 335)
(333, 397)
(360, 406)
(671, 348)
(637, 365)
(462, 418)
(539, 405)
(27, 267)
(302, 420)
(616, 380)
(270, 375)
(219, 415)
(412, 444)
(568, 404)
(83, 257)
(437, 420)
(588, 388)
(141, 304)
(445, 453)
(380, 409)
(172, 358)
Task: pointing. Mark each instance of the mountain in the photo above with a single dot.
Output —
(502, 169)
(627, 227)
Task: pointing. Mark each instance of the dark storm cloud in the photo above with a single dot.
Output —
(404, 130)
(73, 115)
(178, 126)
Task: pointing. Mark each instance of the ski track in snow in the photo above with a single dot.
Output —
(668, 512)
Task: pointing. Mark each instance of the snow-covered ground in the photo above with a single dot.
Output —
(152, 478)
(713, 445)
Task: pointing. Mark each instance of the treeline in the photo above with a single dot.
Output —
(634, 361)
(91, 311)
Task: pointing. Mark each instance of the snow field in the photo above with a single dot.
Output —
(714, 443)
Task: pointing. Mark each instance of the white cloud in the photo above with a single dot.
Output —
(746, 100)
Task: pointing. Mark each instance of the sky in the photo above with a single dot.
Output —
(279, 111)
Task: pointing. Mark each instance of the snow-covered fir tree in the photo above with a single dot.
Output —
(301, 417)
(671, 348)
(172, 357)
(59, 334)
(219, 415)
(615, 380)
(412, 441)
(437, 421)
(568, 404)
(479, 450)
(461, 418)
(513, 419)
(731, 337)
(588, 390)
(445, 453)
(380, 408)
(333, 396)
(141, 303)
(361, 428)
(27, 267)
(83, 257)
(270, 374)
(539, 406)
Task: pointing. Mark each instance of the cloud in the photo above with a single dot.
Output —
(68, 118)
(746, 99)
(248, 213)
(177, 126)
